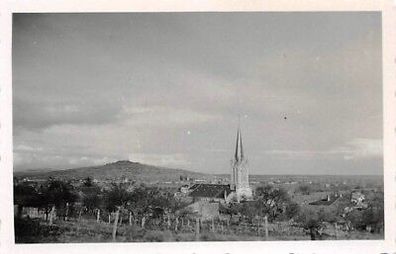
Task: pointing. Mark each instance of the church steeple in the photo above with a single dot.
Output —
(238, 147)
(240, 174)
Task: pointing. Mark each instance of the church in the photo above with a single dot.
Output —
(238, 190)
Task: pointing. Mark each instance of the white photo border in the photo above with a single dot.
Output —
(388, 10)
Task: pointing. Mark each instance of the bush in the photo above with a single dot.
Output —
(292, 210)
(31, 231)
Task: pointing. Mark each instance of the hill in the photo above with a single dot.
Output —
(116, 171)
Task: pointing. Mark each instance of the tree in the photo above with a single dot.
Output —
(117, 197)
(59, 193)
(91, 196)
(271, 202)
(25, 195)
(309, 220)
(292, 210)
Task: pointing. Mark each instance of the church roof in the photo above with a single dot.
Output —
(209, 190)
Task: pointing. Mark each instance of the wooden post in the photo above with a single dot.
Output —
(98, 216)
(51, 217)
(121, 218)
(266, 227)
(258, 226)
(197, 229)
(176, 223)
(109, 218)
(67, 211)
(79, 215)
(222, 227)
(115, 224)
(213, 225)
(143, 221)
(169, 222)
(130, 218)
(188, 223)
(336, 230)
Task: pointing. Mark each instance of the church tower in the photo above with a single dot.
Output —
(240, 174)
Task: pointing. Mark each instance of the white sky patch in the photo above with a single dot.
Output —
(362, 148)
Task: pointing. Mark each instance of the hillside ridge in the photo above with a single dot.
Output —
(123, 169)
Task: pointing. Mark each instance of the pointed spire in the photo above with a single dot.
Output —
(238, 146)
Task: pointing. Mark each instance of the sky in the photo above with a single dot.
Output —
(168, 89)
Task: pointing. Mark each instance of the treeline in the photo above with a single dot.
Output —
(158, 209)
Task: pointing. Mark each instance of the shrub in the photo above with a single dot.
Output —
(30, 231)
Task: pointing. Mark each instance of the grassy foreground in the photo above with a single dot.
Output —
(38, 231)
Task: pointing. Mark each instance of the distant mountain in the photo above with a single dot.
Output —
(117, 170)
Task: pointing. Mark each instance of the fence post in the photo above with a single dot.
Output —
(121, 219)
(79, 214)
(115, 224)
(213, 225)
(266, 227)
(336, 230)
(109, 218)
(67, 211)
(98, 216)
(130, 218)
(143, 221)
(258, 225)
(176, 223)
(51, 218)
(197, 229)
(169, 221)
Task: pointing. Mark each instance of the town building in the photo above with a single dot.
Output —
(237, 190)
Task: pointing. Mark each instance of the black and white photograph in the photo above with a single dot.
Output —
(197, 126)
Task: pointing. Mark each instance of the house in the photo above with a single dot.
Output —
(184, 189)
(210, 192)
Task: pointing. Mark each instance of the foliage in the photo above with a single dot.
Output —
(117, 197)
(292, 210)
(59, 193)
(26, 195)
(271, 202)
(31, 231)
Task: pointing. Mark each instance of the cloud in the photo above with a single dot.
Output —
(159, 116)
(359, 148)
(41, 113)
